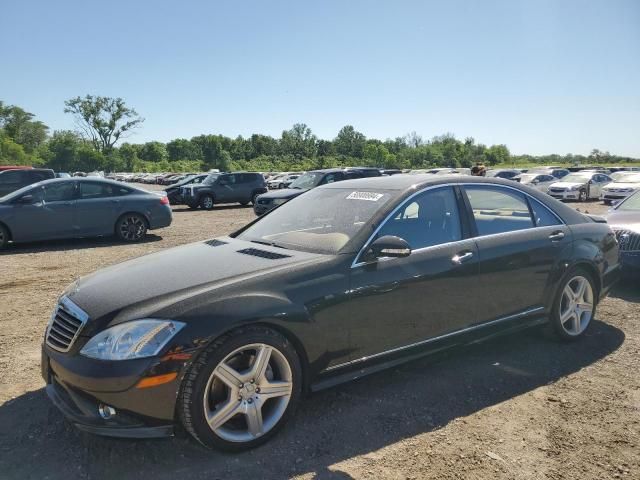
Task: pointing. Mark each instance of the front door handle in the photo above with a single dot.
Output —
(556, 236)
(461, 257)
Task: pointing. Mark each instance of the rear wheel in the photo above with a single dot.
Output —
(131, 227)
(575, 305)
(4, 236)
(206, 202)
(241, 390)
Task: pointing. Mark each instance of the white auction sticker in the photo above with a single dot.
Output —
(370, 196)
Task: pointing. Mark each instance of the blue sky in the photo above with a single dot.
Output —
(541, 76)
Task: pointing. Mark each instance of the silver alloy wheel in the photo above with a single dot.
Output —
(576, 305)
(583, 195)
(132, 228)
(248, 392)
(207, 202)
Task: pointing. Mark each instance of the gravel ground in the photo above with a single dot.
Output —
(522, 406)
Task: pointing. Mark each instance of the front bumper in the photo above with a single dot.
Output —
(614, 196)
(566, 195)
(630, 262)
(78, 386)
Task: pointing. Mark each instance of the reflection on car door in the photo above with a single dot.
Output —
(51, 215)
(397, 302)
(519, 242)
(225, 189)
(98, 208)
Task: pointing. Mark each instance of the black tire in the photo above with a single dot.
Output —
(559, 329)
(131, 227)
(607, 202)
(254, 197)
(244, 204)
(582, 196)
(206, 202)
(190, 407)
(4, 236)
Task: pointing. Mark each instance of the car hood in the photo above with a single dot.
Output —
(283, 193)
(624, 218)
(566, 185)
(141, 287)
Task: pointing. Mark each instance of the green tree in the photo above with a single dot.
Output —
(496, 154)
(102, 120)
(153, 152)
(11, 153)
(350, 142)
(299, 141)
(182, 149)
(21, 128)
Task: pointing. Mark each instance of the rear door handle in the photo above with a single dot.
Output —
(556, 236)
(461, 257)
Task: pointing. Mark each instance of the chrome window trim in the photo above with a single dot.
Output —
(433, 339)
(355, 264)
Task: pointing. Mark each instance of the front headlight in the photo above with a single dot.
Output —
(135, 339)
(279, 201)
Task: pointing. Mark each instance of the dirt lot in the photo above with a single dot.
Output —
(522, 406)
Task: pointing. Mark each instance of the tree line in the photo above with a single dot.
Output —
(103, 125)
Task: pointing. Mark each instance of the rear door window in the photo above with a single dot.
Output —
(12, 176)
(89, 190)
(498, 210)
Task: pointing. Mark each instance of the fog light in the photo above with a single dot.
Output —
(106, 411)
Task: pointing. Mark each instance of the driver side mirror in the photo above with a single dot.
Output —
(389, 246)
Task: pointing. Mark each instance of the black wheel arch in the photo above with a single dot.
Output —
(6, 227)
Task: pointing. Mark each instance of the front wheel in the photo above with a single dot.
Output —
(575, 305)
(131, 227)
(582, 196)
(206, 202)
(241, 389)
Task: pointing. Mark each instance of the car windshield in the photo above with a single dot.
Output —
(211, 178)
(307, 181)
(631, 203)
(575, 178)
(332, 217)
(629, 178)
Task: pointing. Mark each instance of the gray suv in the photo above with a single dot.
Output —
(238, 187)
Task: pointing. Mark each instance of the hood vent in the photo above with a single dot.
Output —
(215, 243)
(263, 253)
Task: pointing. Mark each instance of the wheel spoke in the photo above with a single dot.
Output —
(581, 288)
(228, 375)
(254, 418)
(222, 415)
(576, 322)
(566, 315)
(263, 354)
(275, 389)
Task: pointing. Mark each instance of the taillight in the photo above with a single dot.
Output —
(164, 200)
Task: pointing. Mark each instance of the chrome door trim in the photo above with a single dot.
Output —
(433, 339)
(355, 263)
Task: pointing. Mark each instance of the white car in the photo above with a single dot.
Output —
(580, 186)
(540, 181)
(621, 187)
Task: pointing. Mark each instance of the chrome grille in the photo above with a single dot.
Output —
(628, 241)
(556, 190)
(65, 325)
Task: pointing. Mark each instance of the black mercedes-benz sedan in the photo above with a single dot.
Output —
(225, 336)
